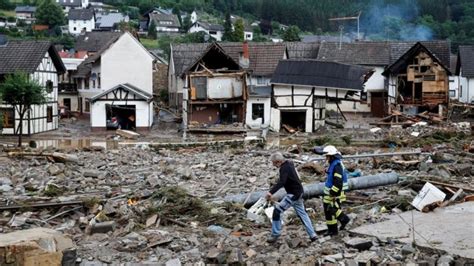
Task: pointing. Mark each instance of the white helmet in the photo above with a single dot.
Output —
(330, 150)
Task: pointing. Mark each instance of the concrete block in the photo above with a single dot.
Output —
(38, 247)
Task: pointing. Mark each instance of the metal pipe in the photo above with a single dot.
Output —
(372, 155)
(316, 189)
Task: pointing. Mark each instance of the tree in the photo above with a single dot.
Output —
(152, 33)
(292, 34)
(227, 36)
(238, 34)
(186, 23)
(5, 4)
(49, 13)
(21, 92)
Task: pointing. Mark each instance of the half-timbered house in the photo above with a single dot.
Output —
(41, 61)
(301, 88)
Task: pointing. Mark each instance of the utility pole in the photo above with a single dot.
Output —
(350, 18)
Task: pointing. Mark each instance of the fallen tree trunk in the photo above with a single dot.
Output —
(316, 189)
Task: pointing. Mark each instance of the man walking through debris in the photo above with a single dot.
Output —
(336, 184)
(289, 179)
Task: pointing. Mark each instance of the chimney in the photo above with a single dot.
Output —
(244, 56)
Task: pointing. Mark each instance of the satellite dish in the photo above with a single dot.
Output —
(94, 76)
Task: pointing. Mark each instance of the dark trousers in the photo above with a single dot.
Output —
(333, 213)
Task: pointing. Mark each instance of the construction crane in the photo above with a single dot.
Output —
(350, 18)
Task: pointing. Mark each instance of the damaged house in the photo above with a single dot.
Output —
(257, 60)
(376, 55)
(217, 90)
(117, 81)
(418, 80)
(301, 89)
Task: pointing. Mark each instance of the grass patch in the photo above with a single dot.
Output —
(149, 43)
(7, 13)
(52, 190)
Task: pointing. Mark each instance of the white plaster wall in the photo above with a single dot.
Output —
(253, 80)
(89, 25)
(250, 35)
(71, 63)
(197, 28)
(392, 86)
(377, 81)
(127, 61)
(74, 101)
(142, 113)
(217, 36)
(224, 88)
(275, 119)
(454, 86)
(166, 29)
(348, 106)
(266, 113)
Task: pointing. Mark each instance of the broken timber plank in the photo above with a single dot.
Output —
(453, 198)
(127, 134)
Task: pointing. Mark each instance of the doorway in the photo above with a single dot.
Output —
(294, 119)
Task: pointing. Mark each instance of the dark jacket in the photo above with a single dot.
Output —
(289, 180)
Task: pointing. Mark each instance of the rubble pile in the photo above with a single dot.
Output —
(161, 205)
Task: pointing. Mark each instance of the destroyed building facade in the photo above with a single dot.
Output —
(256, 61)
(301, 89)
(217, 90)
(418, 80)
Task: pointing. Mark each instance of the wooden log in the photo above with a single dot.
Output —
(127, 134)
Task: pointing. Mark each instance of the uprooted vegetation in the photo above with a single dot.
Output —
(177, 204)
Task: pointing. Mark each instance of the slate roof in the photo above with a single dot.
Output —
(403, 60)
(25, 9)
(26, 56)
(357, 53)
(320, 74)
(128, 87)
(263, 59)
(209, 26)
(95, 41)
(323, 38)
(297, 50)
(109, 20)
(80, 14)
(440, 49)
(157, 17)
(70, 3)
(465, 61)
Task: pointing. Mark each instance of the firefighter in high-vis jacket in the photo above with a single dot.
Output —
(336, 184)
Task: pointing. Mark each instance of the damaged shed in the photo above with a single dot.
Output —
(418, 81)
(216, 92)
(301, 88)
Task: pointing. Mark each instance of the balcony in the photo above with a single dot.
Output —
(67, 88)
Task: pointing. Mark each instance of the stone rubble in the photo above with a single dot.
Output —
(156, 205)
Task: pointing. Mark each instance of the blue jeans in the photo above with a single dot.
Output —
(284, 205)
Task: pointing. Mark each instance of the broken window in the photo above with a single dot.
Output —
(199, 88)
(49, 114)
(8, 115)
(258, 111)
(87, 107)
(49, 86)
